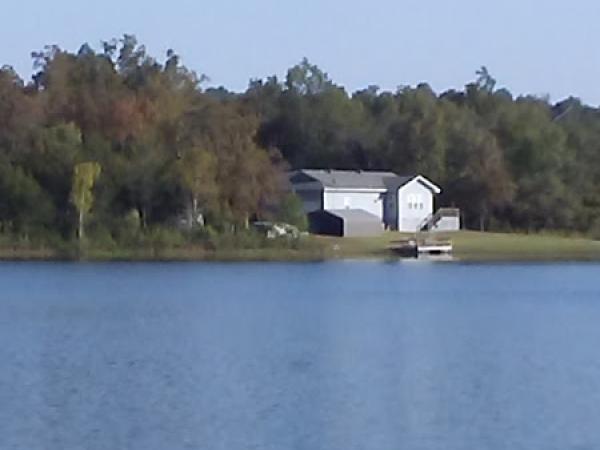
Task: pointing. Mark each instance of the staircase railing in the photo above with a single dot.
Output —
(424, 223)
(433, 219)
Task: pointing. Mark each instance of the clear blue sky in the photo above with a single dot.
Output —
(530, 46)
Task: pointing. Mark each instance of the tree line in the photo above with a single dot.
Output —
(124, 143)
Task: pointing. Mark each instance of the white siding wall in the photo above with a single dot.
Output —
(415, 203)
(371, 202)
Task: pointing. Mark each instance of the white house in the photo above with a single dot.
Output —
(403, 203)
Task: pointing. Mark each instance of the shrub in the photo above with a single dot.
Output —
(291, 210)
(101, 237)
(159, 238)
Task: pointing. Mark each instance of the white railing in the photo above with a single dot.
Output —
(433, 219)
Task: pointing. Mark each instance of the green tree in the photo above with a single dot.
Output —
(198, 172)
(478, 180)
(291, 210)
(84, 177)
(307, 79)
(485, 81)
(416, 139)
(24, 206)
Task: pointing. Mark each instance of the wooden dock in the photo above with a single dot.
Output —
(413, 248)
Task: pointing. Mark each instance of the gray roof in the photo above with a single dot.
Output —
(356, 179)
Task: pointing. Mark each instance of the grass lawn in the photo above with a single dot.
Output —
(502, 246)
(470, 245)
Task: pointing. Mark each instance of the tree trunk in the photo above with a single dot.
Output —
(482, 217)
(194, 221)
(80, 231)
(142, 211)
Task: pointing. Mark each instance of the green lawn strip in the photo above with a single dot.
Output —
(468, 246)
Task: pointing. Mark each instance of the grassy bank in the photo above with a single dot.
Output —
(500, 246)
(476, 246)
(304, 249)
(468, 246)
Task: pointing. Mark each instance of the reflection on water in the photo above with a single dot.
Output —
(345, 355)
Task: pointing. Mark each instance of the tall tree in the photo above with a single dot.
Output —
(84, 177)
(307, 79)
(199, 177)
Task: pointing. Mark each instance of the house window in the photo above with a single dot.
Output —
(415, 201)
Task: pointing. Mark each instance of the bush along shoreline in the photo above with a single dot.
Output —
(165, 244)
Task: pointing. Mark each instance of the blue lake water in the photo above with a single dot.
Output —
(331, 356)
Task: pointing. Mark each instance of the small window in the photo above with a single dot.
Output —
(420, 205)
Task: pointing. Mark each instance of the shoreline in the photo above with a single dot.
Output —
(469, 246)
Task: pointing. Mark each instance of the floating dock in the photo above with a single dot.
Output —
(412, 248)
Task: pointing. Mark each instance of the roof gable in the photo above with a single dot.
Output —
(421, 180)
